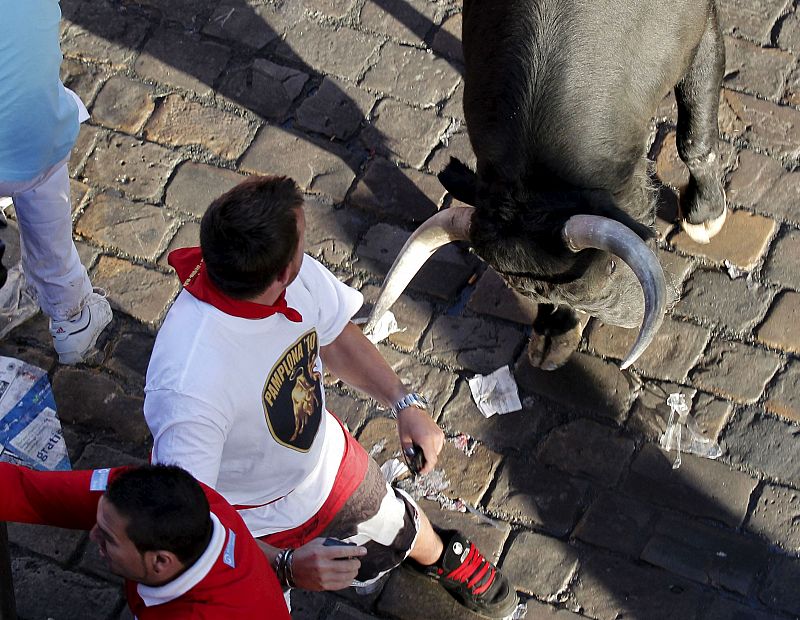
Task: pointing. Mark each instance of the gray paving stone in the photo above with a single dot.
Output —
(443, 276)
(455, 144)
(254, 26)
(489, 539)
(763, 443)
(526, 492)
(780, 329)
(584, 448)
(604, 390)
(617, 523)
(789, 36)
(518, 431)
(469, 476)
(735, 371)
(783, 394)
(345, 612)
(454, 106)
(474, 344)
(67, 592)
(180, 122)
(84, 145)
(735, 304)
(768, 126)
(174, 58)
(779, 586)
(104, 33)
(194, 186)
(336, 109)
(338, 51)
(762, 183)
(493, 296)
(140, 292)
(266, 88)
(713, 556)
(97, 455)
(331, 234)
(56, 543)
(675, 349)
(776, 517)
(308, 605)
(349, 409)
(331, 8)
(783, 264)
(408, 21)
(610, 587)
(138, 169)
(391, 191)
(700, 487)
(447, 40)
(546, 576)
(43, 358)
(411, 75)
(96, 400)
(379, 438)
(720, 608)
(403, 133)
(541, 611)
(93, 563)
(188, 235)
(756, 70)
(136, 229)
(676, 267)
(413, 317)
(84, 79)
(753, 20)
(315, 167)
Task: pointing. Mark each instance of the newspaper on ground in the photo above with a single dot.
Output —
(385, 327)
(495, 393)
(30, 432)
(683, 435)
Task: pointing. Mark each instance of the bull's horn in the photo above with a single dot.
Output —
(593, 231)
(451, 224)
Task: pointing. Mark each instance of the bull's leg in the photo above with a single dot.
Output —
(703, 203)
(556, 333)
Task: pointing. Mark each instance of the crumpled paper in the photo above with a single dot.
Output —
(495, 393)
(385, 327)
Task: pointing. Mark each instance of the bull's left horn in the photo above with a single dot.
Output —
(593, 231)
(449, 225)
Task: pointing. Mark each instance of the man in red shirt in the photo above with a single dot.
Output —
(183, 551)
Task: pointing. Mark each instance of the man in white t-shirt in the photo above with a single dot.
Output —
(234, 395)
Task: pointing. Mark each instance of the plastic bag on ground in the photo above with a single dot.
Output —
(683, 435)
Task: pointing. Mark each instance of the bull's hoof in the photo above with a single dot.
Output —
(703, 233)
(549, 350)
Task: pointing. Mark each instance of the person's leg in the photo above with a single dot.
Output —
(52, 265)
(429, 546)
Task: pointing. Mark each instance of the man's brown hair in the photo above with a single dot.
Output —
(249, 235)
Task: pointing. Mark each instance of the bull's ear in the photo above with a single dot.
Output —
(601, 202)
(459, 181)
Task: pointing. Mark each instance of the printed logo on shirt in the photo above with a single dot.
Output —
(292, 395)
(227, 556)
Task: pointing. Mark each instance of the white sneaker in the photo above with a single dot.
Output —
(74, 339)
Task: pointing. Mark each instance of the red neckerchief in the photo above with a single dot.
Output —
(188, 263)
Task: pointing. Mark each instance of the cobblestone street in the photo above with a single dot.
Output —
(360, 102)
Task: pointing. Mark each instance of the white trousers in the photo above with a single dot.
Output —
(49, 256)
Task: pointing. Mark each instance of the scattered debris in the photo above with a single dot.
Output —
(733, 271)
(465, 443)
(385, 327)
(377, 449)
(495, 393)
(393, 469)
(683, 434)
(520, 611)
(17, 301)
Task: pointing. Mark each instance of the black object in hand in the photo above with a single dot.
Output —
(335, 542)
(415, 458)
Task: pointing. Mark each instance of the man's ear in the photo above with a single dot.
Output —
(284, 276)
(163, 563)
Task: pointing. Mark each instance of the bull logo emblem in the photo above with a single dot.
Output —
(292, 395)
(304, 397)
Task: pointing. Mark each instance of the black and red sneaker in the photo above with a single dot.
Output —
(470, 578)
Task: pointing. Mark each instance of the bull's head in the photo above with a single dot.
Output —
(559, 255)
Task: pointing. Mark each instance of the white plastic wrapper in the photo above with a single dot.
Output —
(683, 435)
(495, 393)
(385, 327)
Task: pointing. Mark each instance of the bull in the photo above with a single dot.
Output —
(558, 99)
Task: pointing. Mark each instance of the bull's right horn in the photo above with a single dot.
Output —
(448, 225)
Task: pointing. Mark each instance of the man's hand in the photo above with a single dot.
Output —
(316, 567)
(415, 426)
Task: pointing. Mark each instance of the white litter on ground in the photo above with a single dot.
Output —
(683, 435)
(376, 449)
(385, 327)
(495, 393)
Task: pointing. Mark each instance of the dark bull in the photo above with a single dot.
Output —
(558, 99)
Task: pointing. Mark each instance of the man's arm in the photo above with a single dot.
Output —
(58, 498)
(356, 361)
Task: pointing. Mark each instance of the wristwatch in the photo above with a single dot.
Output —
(409, 400)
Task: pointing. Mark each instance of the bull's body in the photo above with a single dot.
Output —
(558, 100)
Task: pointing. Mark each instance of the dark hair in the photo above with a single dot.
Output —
(166, 510)
(249, 235)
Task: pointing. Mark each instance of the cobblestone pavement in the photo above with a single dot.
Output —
(360, 101)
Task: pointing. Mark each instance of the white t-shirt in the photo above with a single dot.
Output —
(240, 404)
